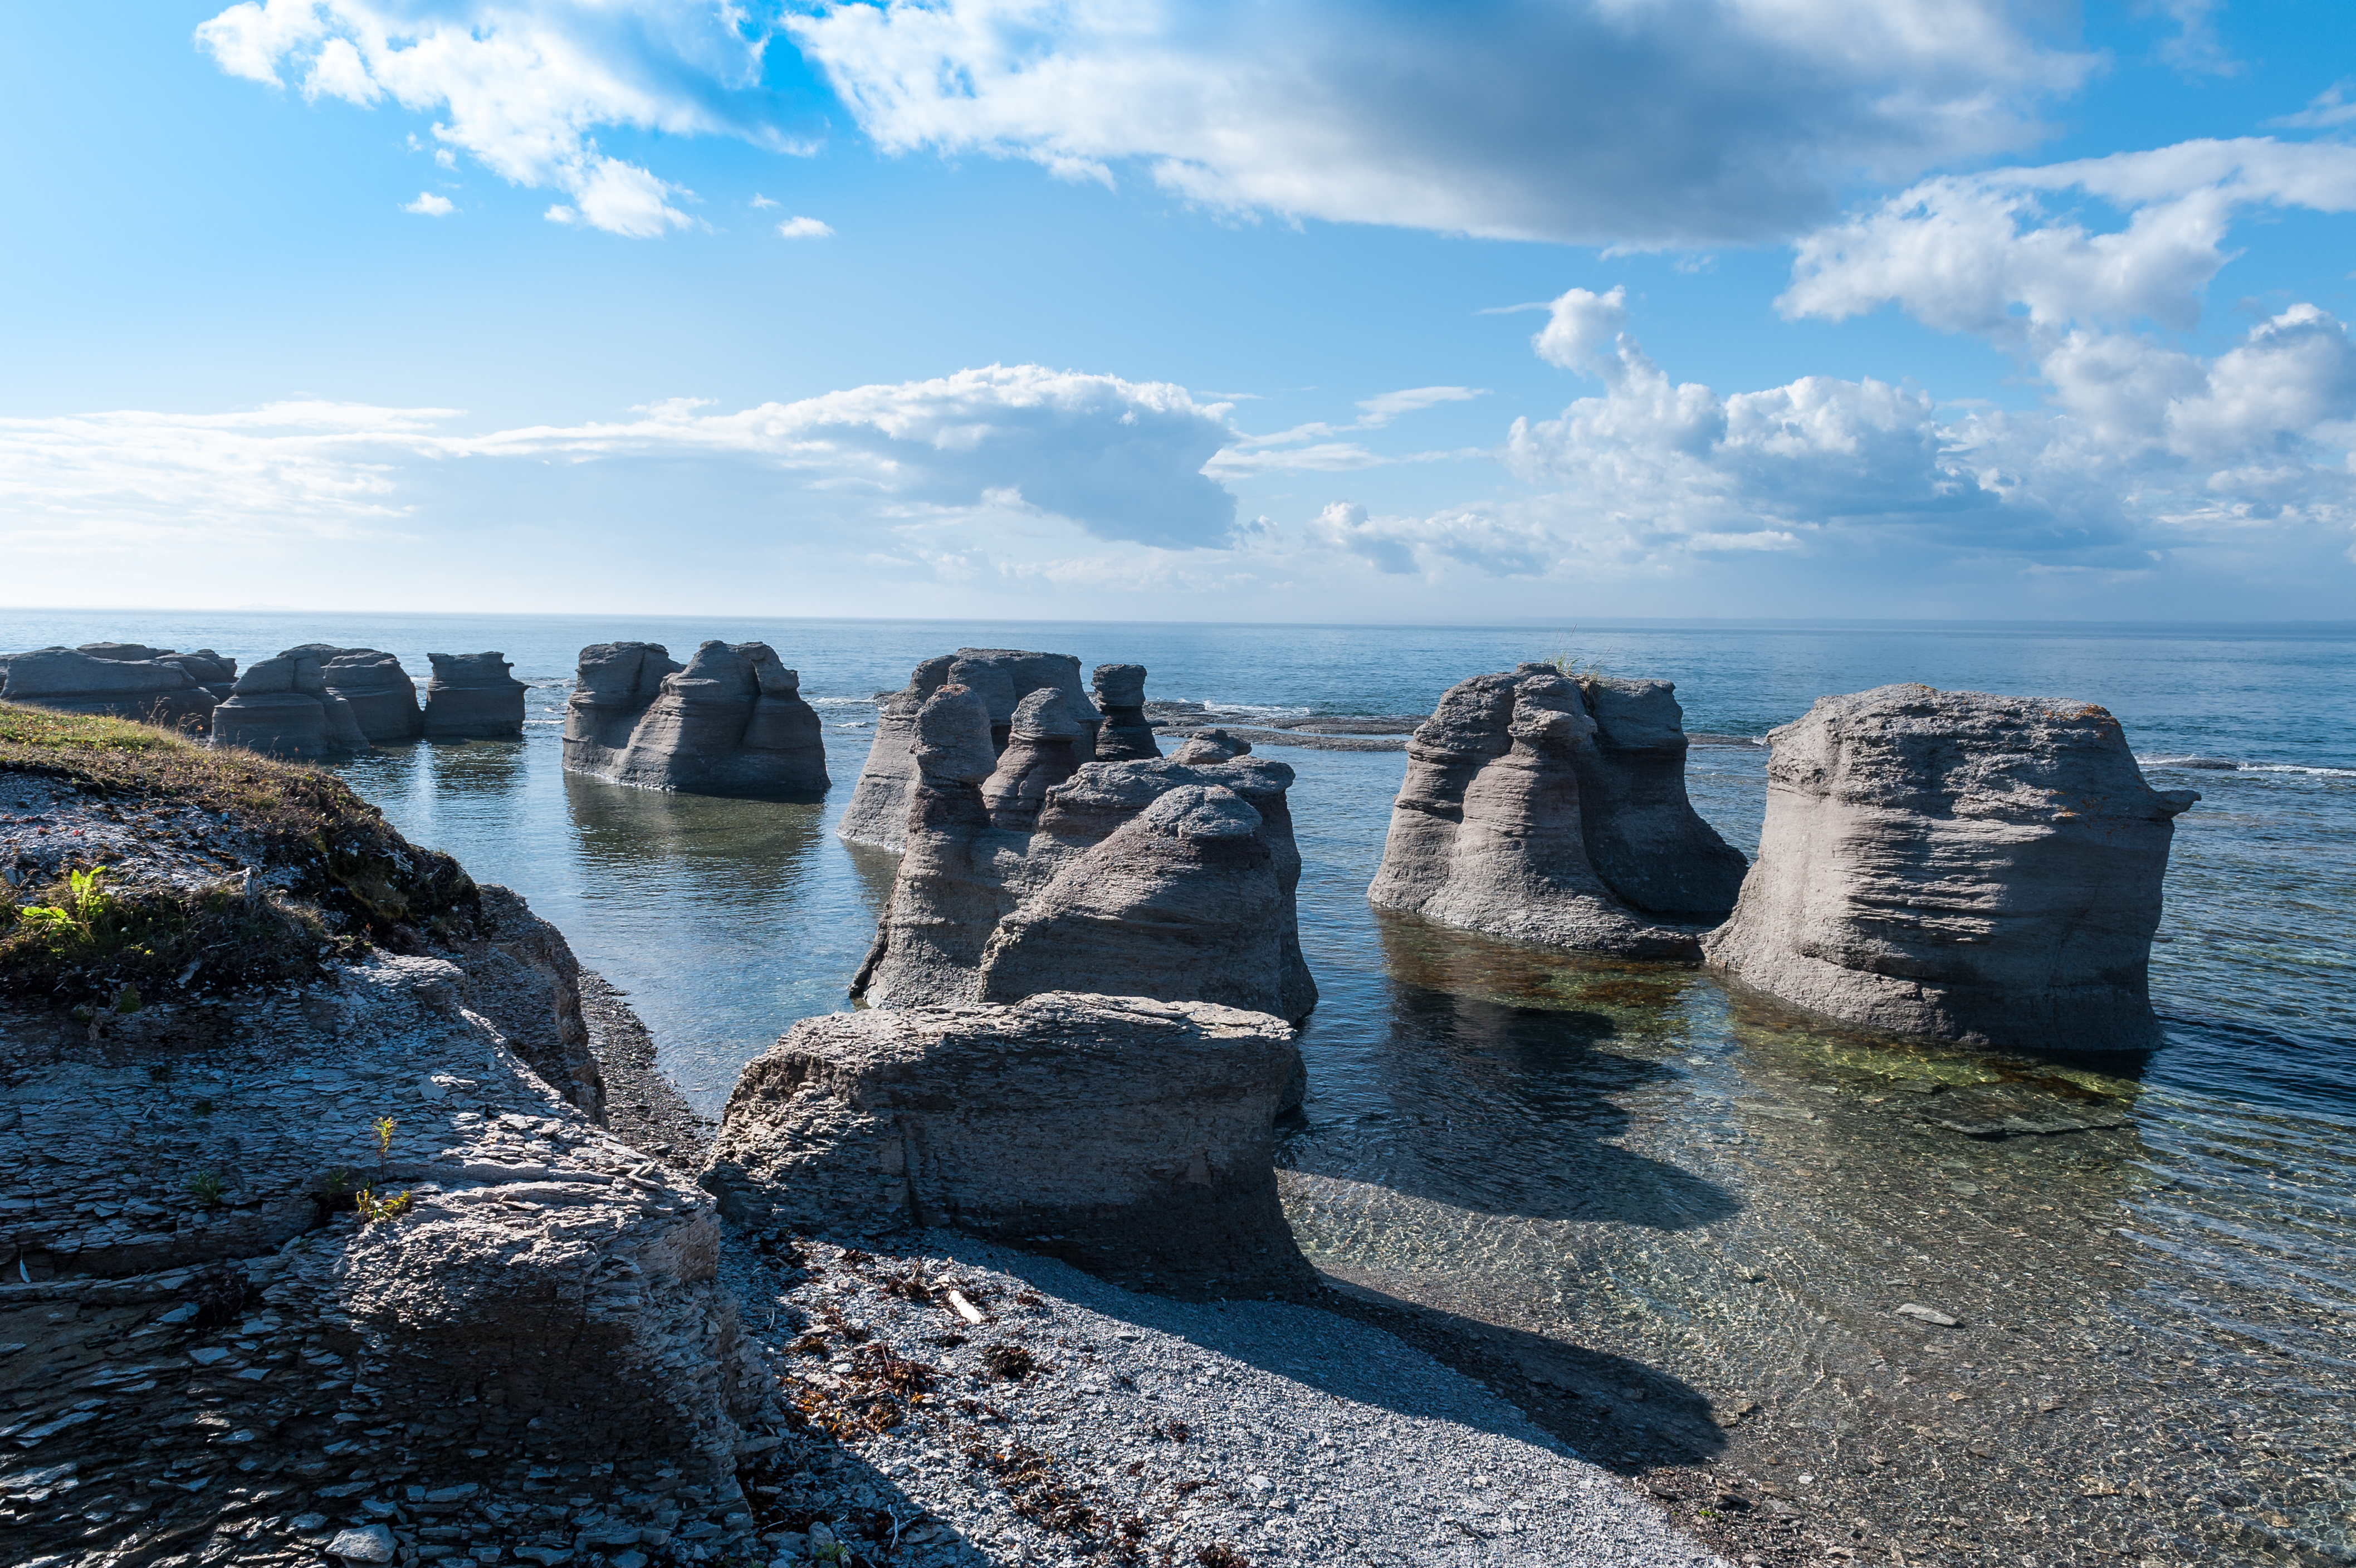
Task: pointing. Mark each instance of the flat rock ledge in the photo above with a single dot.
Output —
(1130, 1136)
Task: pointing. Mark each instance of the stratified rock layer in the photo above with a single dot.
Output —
(1128, 1136)
(156, 690)
(1119, 691)
(732, 722)
(281, 707)
(1642, 835)
(1983, 869)
(1000, 679)
(472, 697)
(383, 696)
(1160, 878)
(1489, 831)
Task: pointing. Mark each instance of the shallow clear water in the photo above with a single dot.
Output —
(2153, 1357)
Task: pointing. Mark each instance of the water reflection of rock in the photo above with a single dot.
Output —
(736, 853)
(487, 767)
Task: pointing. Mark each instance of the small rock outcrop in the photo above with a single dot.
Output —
(1509, 822)
(155, 691)
(281, 707)
(1982, 869)
(206, 668)
(472, 697)
(1000, 679)
(732, 722)
(383, 696)
(1129, 1137)
(1170, 878)
(1127, 736)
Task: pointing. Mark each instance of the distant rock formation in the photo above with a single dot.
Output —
(1120, 695)
(1507, 820)
(1000, 678)
(1983, 869)
(1157, 878)
(732, 722)
(1129, 1137)
(471, 696)
(205, 667)
(383, 696)
(153, 691)
(281, 707)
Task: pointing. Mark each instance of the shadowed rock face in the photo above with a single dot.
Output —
(1150, 878)
(281, 707)
(1120, 694)
(1642, 835)
(1132, 1136)
(472, 697)
(1983, 869)
(1489, 831)
(383, 696)
(205, 667)
(71, 681)
(1000, 679)
(1041, 751)
(732, 722)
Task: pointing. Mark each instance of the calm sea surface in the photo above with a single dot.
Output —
(1698, 1208)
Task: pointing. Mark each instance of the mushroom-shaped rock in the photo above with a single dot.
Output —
(1119, 692)
(69, 681)
(1000, 678)
(1982, 869)
(383, 696)
(1041, 751)
(1487, 834)
(732, 722)
(281, 707)
(1128, 1136)
(472, 697)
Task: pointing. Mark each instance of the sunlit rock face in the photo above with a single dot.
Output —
(1131, 1137)
(1150, 878)
(732, 722)
(1000, 679)
(1982, 869)
(1505, 821)
(472, 697)
(281, 707)
(383, 696)
(152, 690)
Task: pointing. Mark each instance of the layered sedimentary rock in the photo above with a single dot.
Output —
(383, 696)
(156, 690)
(206, 668)
(471, 696)
(1161, 879)
(1984, 869)
(1492, 829)
(1130, 1137)
(281, 707)
(732, 722)
(999, 678)
(1119, 691)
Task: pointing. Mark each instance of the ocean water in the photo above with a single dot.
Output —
(1699, 1209)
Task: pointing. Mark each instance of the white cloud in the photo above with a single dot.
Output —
(1594, 121)
(429, 205)
(804, 228)
(762, 203)
(522, 85)
(1384, 407)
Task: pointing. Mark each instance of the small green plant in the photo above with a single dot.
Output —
(127, 999)
(375, 1210)
(207, 1189)
(338, 1184)
(383, 1126)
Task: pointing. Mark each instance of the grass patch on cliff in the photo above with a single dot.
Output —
(355, 880)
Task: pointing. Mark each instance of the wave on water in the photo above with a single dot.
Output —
(2236, 765)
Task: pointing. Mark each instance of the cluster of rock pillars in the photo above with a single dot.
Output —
(1078, 1013)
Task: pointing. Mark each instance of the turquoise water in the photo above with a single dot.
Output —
(2154, 1348)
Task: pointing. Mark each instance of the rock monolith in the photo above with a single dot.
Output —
(206, 668)
(472, 697)
(383, 696)
(155, 691)
(281, 707)
(1642, 835)
(732, 722)
(1128, 1136)
(1981, 869)
(1119, 691)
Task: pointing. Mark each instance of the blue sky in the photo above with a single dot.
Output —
(1229, 310)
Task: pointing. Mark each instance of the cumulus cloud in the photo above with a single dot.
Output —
(429, 205)
(805, 228)
(521, 86)
(1681, 123)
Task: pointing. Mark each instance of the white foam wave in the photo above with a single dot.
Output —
(2193, 763)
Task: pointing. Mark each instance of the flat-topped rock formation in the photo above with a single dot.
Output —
(383, 696)
(1983, 869)
(732, 722)
(472, 697)
(1505, 823)
(1127, 734)
(206, 668)
(153, 691)
(999, 678)
(1130, 1137)
(1170, 878)
(281, 707)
